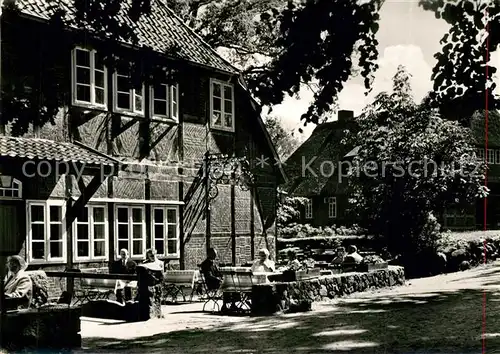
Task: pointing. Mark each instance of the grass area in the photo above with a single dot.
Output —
(441, 314)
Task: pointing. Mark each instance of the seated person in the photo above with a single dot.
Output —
(125, 265)
(210, 271)
(339, 258)
(353, 256)
(18, 287)
(156, 267)
(293, 262)
(263, 264)
(153, 260)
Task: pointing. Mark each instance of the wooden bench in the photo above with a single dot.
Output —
(175, 281)
(94, 289)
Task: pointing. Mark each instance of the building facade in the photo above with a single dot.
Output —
(317, 170)
(130, 166)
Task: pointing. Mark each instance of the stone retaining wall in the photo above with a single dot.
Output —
(298, 295)
(51, 329)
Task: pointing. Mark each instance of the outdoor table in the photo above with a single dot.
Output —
(237, 287)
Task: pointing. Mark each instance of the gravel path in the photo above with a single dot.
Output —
(442, 314)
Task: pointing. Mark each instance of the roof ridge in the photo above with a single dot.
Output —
(191, 30)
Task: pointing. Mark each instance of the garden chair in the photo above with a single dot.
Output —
(212, 295)
(237, 290)
(175, 281)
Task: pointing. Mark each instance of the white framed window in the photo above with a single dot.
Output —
(332, 207)
(91, 233)
(126, 98)
(165, 228)
(130, 222)
(89, 78)
(14, 191)
(221, 105)
(165, 101)
(480, 154)
(309, 209)
(459, 220)
(491, 156)
(497, 157)
(46, 230)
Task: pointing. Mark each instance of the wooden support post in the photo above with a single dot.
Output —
(70, 283)
(112, 251)
(207, 202)
(2, 297)
(148, 216)
(181, 226)
(252, 223)
(233, 223)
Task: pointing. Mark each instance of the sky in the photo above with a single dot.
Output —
(408, 35)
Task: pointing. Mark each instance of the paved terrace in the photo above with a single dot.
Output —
(439, 314)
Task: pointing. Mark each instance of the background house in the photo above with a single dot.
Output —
(472, 217)
(326, 191)
(123, 167)
(316, 172)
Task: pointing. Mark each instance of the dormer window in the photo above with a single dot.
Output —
(89, 78)
(221, 105)
(10, 188)
(126, 98)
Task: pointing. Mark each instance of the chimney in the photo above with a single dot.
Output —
(344, 115)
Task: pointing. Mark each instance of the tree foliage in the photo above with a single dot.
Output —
(232, 24)
(284, 140)
(288, 210)
(462, 81)
(321, 54)
(411, 165)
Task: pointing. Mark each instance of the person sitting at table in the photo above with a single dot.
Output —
(339, 258)
(125, 265)
(293, 262)
(353, 256)
(152, 259)
(263, 264)
(18, 286)
(210, 271)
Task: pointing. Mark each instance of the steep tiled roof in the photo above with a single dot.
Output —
(161, 30)
(323, 147)
(42, 149)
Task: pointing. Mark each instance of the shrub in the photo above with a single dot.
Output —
(295, 230)
(373, 259)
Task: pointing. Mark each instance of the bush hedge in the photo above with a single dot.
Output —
(293, 231)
